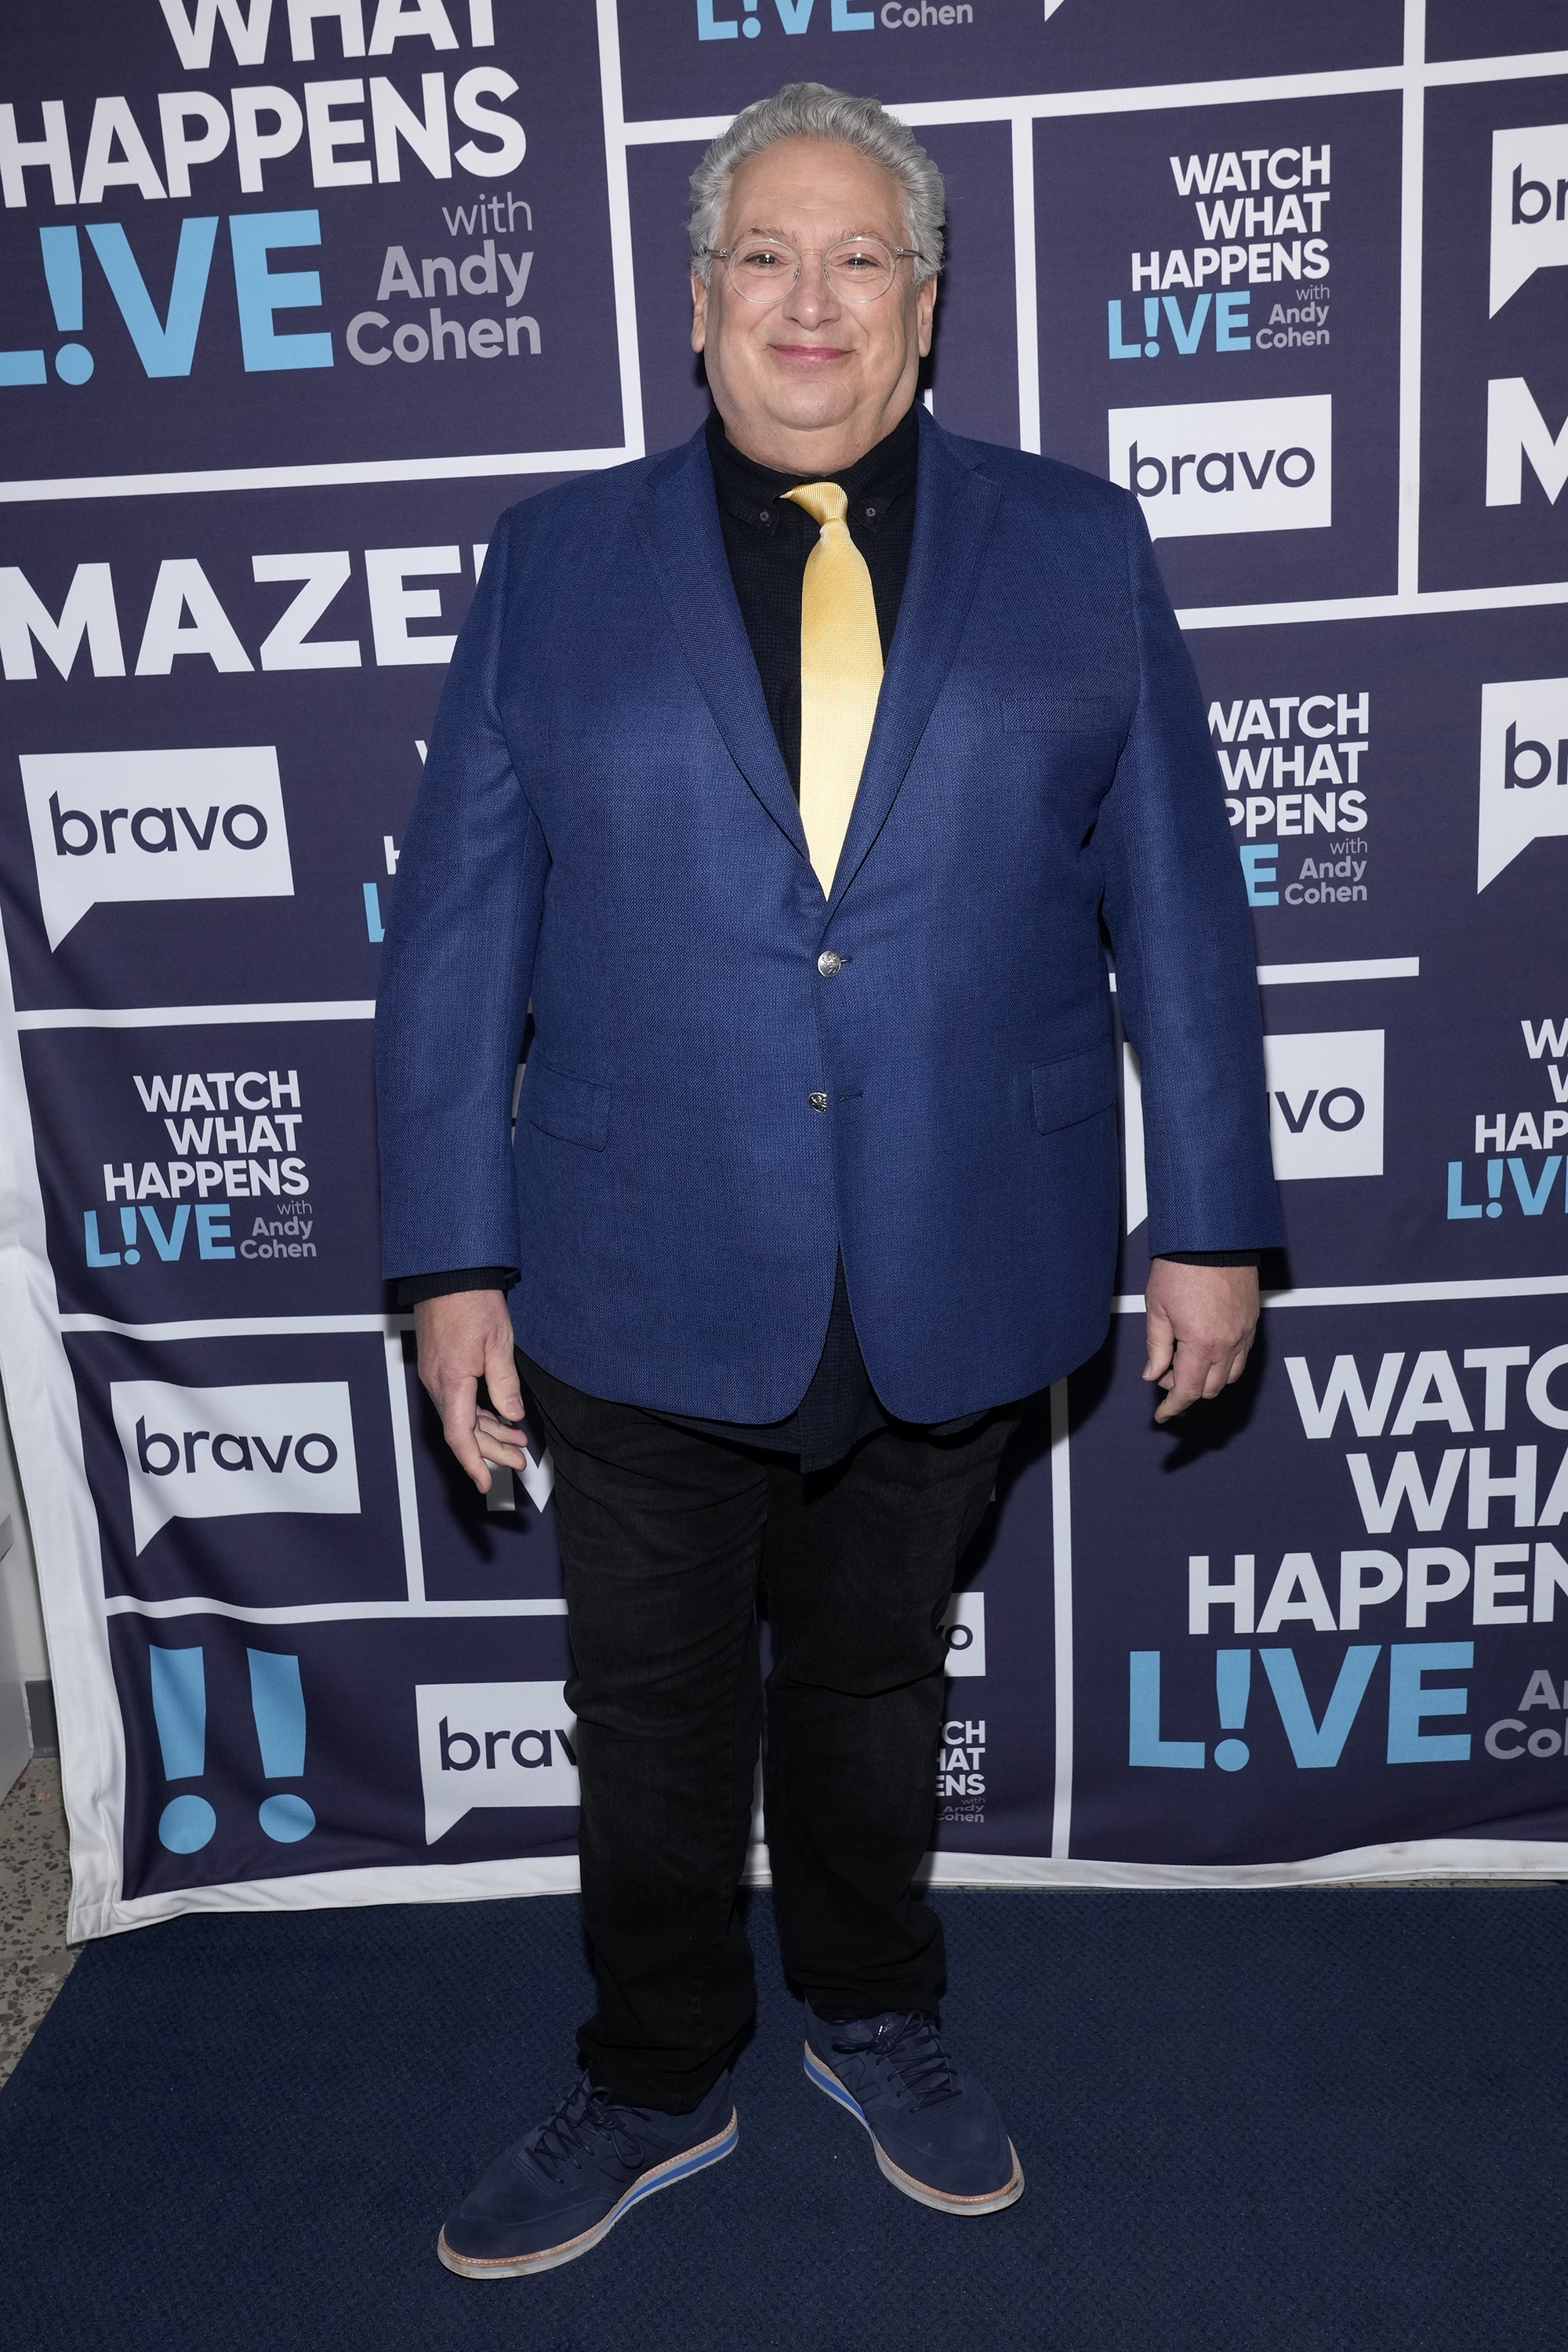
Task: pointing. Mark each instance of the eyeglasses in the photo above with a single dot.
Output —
(857, 270)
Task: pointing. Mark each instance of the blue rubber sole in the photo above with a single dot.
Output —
(939, 2200)
(826, 2080)
(659, 2176)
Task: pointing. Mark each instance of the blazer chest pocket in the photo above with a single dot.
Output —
(1077, 1087)
(1063, 714)
(575, 1110)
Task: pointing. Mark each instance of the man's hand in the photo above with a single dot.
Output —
(464, 1339)
(1198, 1329)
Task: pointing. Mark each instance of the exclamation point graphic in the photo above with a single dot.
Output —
(1150, 325)
(1494, 1186)
(134, 1257)
(1233, 1677)
(749, 23)
(179, 1712)
(278, 1702)
(62, 270)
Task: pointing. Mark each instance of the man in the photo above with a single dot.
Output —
(815, 1172)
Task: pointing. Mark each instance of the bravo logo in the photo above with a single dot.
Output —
(1529, 232)
(493, 1744)
(215, 1454)
(1325, 1102)
(1529, 206)
(1214, 465)
(113, 826)
(1524, 769)
(963, 1622)
(1325, 1109)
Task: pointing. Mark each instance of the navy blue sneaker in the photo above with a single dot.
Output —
(566, 2184)
(938, 2136)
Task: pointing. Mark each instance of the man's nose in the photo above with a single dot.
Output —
(811, 302)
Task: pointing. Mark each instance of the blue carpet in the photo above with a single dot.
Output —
(1303, 2122)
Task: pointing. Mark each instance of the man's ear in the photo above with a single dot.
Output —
(698, 312)
(925, 302)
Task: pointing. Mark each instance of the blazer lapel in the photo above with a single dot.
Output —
(954, 514)
(677, 519)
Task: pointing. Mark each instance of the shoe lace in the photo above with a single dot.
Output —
(578, 2130)
(912, 2046)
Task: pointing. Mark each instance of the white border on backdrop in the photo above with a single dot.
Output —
(46, 1424)
(32, 1357)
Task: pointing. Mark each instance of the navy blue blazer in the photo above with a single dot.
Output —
(709, 1113)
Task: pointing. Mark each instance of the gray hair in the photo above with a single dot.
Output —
(809, 109)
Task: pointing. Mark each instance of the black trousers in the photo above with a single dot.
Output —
(668, 1538)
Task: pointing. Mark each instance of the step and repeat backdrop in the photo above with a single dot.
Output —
(297, 296)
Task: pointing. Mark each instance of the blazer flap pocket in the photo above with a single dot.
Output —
(577, 1110)
(1075, 1089)
(1063, 714)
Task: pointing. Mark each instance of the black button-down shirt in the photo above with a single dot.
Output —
(767, 539)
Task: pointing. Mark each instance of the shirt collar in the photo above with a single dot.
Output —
(752, 493)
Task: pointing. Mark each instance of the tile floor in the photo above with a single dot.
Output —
(34, 1887)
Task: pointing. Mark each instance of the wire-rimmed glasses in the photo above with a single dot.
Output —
(856, 268)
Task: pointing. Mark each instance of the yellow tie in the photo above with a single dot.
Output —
(840, 676)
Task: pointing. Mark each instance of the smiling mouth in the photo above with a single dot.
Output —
(810, 354)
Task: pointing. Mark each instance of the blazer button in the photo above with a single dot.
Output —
(817, 1102)
(829, 964)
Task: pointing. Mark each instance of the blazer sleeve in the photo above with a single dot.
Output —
(458, 969)
(1186, 968)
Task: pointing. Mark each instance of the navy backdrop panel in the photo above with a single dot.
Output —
(202, 284)
(293, 302)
